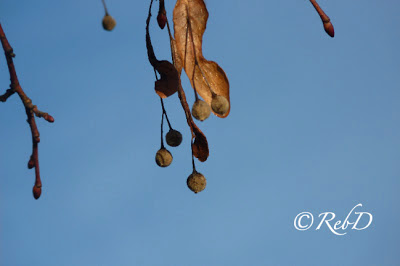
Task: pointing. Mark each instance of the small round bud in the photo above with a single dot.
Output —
(196, 182)
(109, 22)
(219, 104)
(37, 191)
(31, 163)
(173, 138)
(201, 110)
(49, 118)
(163, 157)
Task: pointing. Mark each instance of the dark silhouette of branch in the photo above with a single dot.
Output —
(30, 109)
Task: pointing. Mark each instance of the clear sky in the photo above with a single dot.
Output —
(314, 126)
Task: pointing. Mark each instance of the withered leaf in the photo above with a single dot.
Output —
(176, 57)
(190, 20)
(169, 81)
(200, 145)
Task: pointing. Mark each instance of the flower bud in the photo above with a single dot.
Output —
(31, 163)
(329, 29)
(161, 19)
(37, 191)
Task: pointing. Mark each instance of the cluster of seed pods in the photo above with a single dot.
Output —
(205, 82)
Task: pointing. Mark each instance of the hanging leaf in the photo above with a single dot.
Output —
(169, 81)
(200, 145)
(207, 77)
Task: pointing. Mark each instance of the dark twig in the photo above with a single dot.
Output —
(30, 109)
(162, 134)
(105, 7)
(165, 113)
(6, 95)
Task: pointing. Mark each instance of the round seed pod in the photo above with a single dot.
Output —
(201, 110)
(196, 182)
(219, 104)
(109, 22)
(163, 157)
(173, 138)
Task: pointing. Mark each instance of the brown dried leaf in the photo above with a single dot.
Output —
(169, 81)
(190, 20)
(176, 57)
(200, 145)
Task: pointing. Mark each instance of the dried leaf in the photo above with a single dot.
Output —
(190, 19)
(200, 144)
(169, 81)
(176, 57)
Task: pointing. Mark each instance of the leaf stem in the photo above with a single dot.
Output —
(165, 113)
(162, 133)
(105, 7)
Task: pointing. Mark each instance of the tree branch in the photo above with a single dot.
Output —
(30, 109)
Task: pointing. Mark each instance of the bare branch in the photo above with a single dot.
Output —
(30, 109)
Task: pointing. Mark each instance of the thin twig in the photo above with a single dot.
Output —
(162, 133)
(165, 113)
(30, 109)
(6, 95)
(105, 7)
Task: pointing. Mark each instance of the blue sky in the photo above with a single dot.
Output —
(314, 126)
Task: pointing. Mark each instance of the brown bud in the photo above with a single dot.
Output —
(162, 15)
(50, 119)
(173, 138)
(109, 22)
(37, 191)
(201, 110)
(163, 157)
(329, 29)
(161, 19)
(31, 163)
(196, 182)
